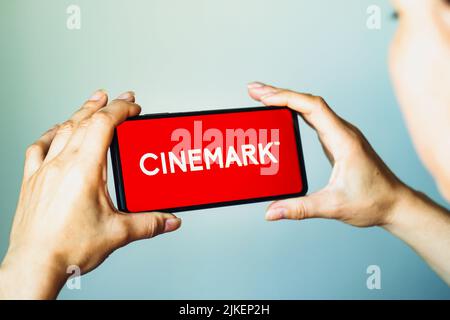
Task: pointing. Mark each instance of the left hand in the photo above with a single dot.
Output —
(65, 215)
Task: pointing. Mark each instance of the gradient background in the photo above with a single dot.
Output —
(199, 54)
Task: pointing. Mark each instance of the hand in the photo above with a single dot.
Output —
(362, 191)
(65, 215)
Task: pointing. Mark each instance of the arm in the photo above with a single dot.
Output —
(64, 214)
(424, 226)
(362, 191)
(25, 275)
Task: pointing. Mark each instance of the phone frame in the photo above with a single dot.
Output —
(117, 166)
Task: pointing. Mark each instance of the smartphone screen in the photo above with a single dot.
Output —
(185, 161)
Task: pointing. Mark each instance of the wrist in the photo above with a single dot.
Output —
(409, 211)
(30, 275)
(402, 201)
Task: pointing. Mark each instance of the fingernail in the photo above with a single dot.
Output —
(256, 84)
(268, 94)
(172, 224)
(275, 214)
(97, 95)
(126, 95)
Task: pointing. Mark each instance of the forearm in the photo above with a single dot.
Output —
(25, 276)
(424, 226)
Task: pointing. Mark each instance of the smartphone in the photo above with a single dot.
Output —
(174, 162)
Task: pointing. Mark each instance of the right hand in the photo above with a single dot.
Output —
(362, 191)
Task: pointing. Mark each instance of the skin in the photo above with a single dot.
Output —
(420, 71)
(361, 191)
(64, 214)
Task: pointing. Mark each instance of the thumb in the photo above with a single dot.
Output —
(147, 225)
(311, 206)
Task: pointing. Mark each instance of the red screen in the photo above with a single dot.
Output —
(193, 160)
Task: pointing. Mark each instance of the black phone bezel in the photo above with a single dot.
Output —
(117, 167)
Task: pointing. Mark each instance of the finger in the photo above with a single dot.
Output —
(65, 131)
(315, 205)
(258, 89)
(100, 130)
(79, 134)
(138, 226)
(98, 100)
(36, 152)
(313, 108)
(331, 129)
(129, 96)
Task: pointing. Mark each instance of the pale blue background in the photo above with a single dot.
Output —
(188, 55)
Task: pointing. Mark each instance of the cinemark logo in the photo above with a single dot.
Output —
(227, 148)
(167, 162)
